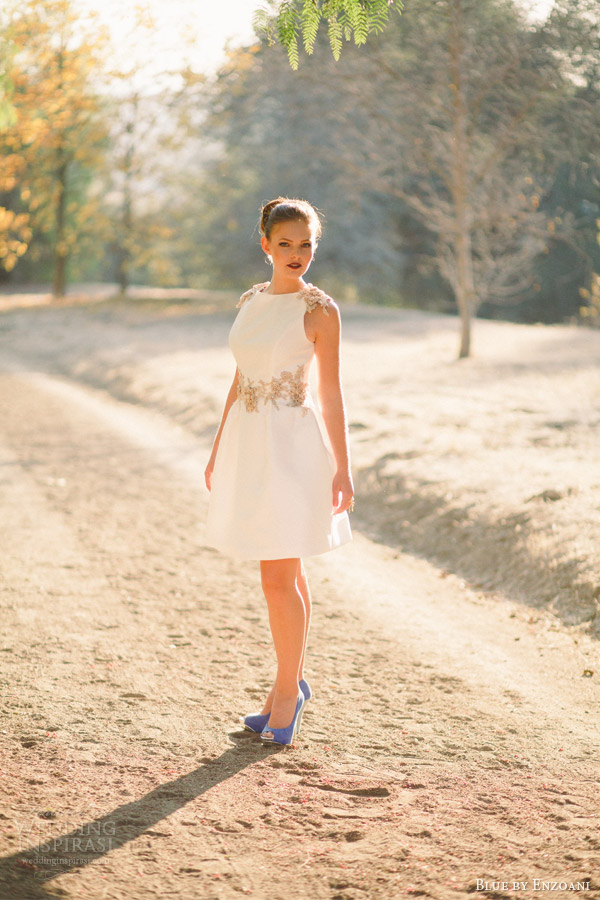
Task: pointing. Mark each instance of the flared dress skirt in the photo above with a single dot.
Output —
(271, 491)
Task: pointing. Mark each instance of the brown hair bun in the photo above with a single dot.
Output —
(286, 209)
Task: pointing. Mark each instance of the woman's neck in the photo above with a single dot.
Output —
(283, 284)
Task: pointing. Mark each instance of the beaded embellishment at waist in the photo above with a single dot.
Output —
(288, 388)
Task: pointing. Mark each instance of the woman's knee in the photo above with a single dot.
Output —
(301, 574)
(278, 577)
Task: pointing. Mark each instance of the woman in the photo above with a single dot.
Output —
(279, 472)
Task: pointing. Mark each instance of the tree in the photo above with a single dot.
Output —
(301, 19)
(58, 132)
(466, 147)
(151, 139)
(15, 233)
(481, 173)
(148, 108)
(450, 112)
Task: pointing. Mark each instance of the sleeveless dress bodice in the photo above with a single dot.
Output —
(271, 349)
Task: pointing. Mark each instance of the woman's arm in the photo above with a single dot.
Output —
(326, 332)
(231, 397)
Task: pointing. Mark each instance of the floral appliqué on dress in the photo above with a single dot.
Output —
(290, 388)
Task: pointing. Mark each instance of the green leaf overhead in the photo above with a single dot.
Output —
(292, 21)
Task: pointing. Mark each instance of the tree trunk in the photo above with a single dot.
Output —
(60, 257)
(124, 266)
(464, 286)
(123, 272)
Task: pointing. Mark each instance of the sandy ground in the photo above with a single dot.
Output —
(451, 746)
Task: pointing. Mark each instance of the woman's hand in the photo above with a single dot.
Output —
(326, 332)
(343, 492)
(208, 472)
(231, 398)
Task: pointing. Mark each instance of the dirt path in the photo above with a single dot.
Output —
(451, 745)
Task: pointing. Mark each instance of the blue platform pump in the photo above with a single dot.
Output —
(285, 736)
(256, 721)
(305, 688)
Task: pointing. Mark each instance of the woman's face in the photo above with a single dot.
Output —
(291, 247)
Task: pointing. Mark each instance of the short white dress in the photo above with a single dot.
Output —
(271, 489)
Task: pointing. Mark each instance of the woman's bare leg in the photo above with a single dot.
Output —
(303, 589)
(287, 618)
(302, 585)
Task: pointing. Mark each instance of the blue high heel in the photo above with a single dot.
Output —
(285, 736)
(256, 721)
(305, 688)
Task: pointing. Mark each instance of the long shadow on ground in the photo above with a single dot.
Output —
(24, 874)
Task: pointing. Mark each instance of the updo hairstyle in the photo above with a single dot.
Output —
(284, 209)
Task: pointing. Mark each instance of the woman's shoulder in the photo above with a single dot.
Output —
(250, 293)
(314, 297)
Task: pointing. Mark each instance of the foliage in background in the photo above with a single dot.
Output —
(590, 312)
(446, 112)
(154, 116)
(15, 232)
(454, 155)
(88, 155)
(58, 134)
(152, 136)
